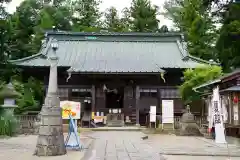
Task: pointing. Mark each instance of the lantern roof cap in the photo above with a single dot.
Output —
(8, 91)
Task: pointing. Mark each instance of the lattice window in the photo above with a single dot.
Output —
(81, 92)
(148, 93)
(170, 93)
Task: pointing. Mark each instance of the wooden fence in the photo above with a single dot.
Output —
(28, 124)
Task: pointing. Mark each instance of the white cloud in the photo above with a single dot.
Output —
(119, 4)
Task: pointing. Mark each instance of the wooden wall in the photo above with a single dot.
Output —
(130, 82)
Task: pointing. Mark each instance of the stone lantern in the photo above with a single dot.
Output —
(188, 125)
(9, 95)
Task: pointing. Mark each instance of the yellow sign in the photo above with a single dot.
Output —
(72, 108)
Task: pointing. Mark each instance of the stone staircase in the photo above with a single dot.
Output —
(132, 117)
(115, 123)
(115, 120)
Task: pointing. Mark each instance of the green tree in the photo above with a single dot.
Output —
(197, 24)
(196, 77)
(86, 15)
(6, 69)
(31, 94)
(49, 16)
(144, 16)
(112, 22)
(126, 20)
(31, 19)
(228, 44)
(23, 22)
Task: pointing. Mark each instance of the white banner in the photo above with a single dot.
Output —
(167, 111)
(235, 112)
(217, 117)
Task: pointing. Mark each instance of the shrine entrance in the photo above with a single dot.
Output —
(114, 102)
(114, 98)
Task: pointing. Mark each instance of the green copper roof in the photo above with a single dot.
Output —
(115, 52)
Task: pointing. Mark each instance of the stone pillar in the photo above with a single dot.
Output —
(50, 139)
(137, 96)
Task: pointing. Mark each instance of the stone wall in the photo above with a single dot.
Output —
(28, 124)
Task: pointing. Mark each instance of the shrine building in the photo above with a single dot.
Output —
(121, 73)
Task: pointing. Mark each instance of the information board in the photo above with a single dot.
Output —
(167, 111)
(153, 111)
(74, 108)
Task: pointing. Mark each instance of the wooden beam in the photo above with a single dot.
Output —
(137, 94)
(93, 98)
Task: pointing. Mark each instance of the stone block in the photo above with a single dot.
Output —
(50, 130)
(51, 120)
(49, 140)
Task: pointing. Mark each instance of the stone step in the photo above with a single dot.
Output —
(115, 123)
(117, 129)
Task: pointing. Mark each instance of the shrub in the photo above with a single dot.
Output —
(8, 123)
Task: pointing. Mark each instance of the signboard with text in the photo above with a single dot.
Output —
(153, 112)
(167, 111)
(72, 108)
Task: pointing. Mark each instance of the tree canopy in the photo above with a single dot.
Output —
(196, 77)
(210, 27)
(195, 21)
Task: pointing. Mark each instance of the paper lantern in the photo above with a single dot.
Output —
(209, 130)
(235, 99)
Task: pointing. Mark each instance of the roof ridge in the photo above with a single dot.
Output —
(182, 50)
(69, 33)
(182, 47)
(26, 58)
(202, 60)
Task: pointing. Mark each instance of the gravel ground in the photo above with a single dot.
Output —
(22, 148)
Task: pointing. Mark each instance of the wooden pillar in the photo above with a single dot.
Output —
(93, 98)
(137, 95)
(159, 108)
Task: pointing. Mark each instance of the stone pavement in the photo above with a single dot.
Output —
(121, 145)
(22, 148)
(170, 157)
(193, 146)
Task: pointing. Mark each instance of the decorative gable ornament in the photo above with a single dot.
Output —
(105, 89)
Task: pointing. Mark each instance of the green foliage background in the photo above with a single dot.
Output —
(196, 77)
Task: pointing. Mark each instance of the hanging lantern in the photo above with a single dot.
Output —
(235, 99)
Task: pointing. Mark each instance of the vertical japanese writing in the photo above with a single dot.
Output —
(217, 119)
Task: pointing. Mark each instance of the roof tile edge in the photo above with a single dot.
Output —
(169, 34)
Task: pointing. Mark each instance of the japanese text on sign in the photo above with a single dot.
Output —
(217, 119)
(72, 108)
